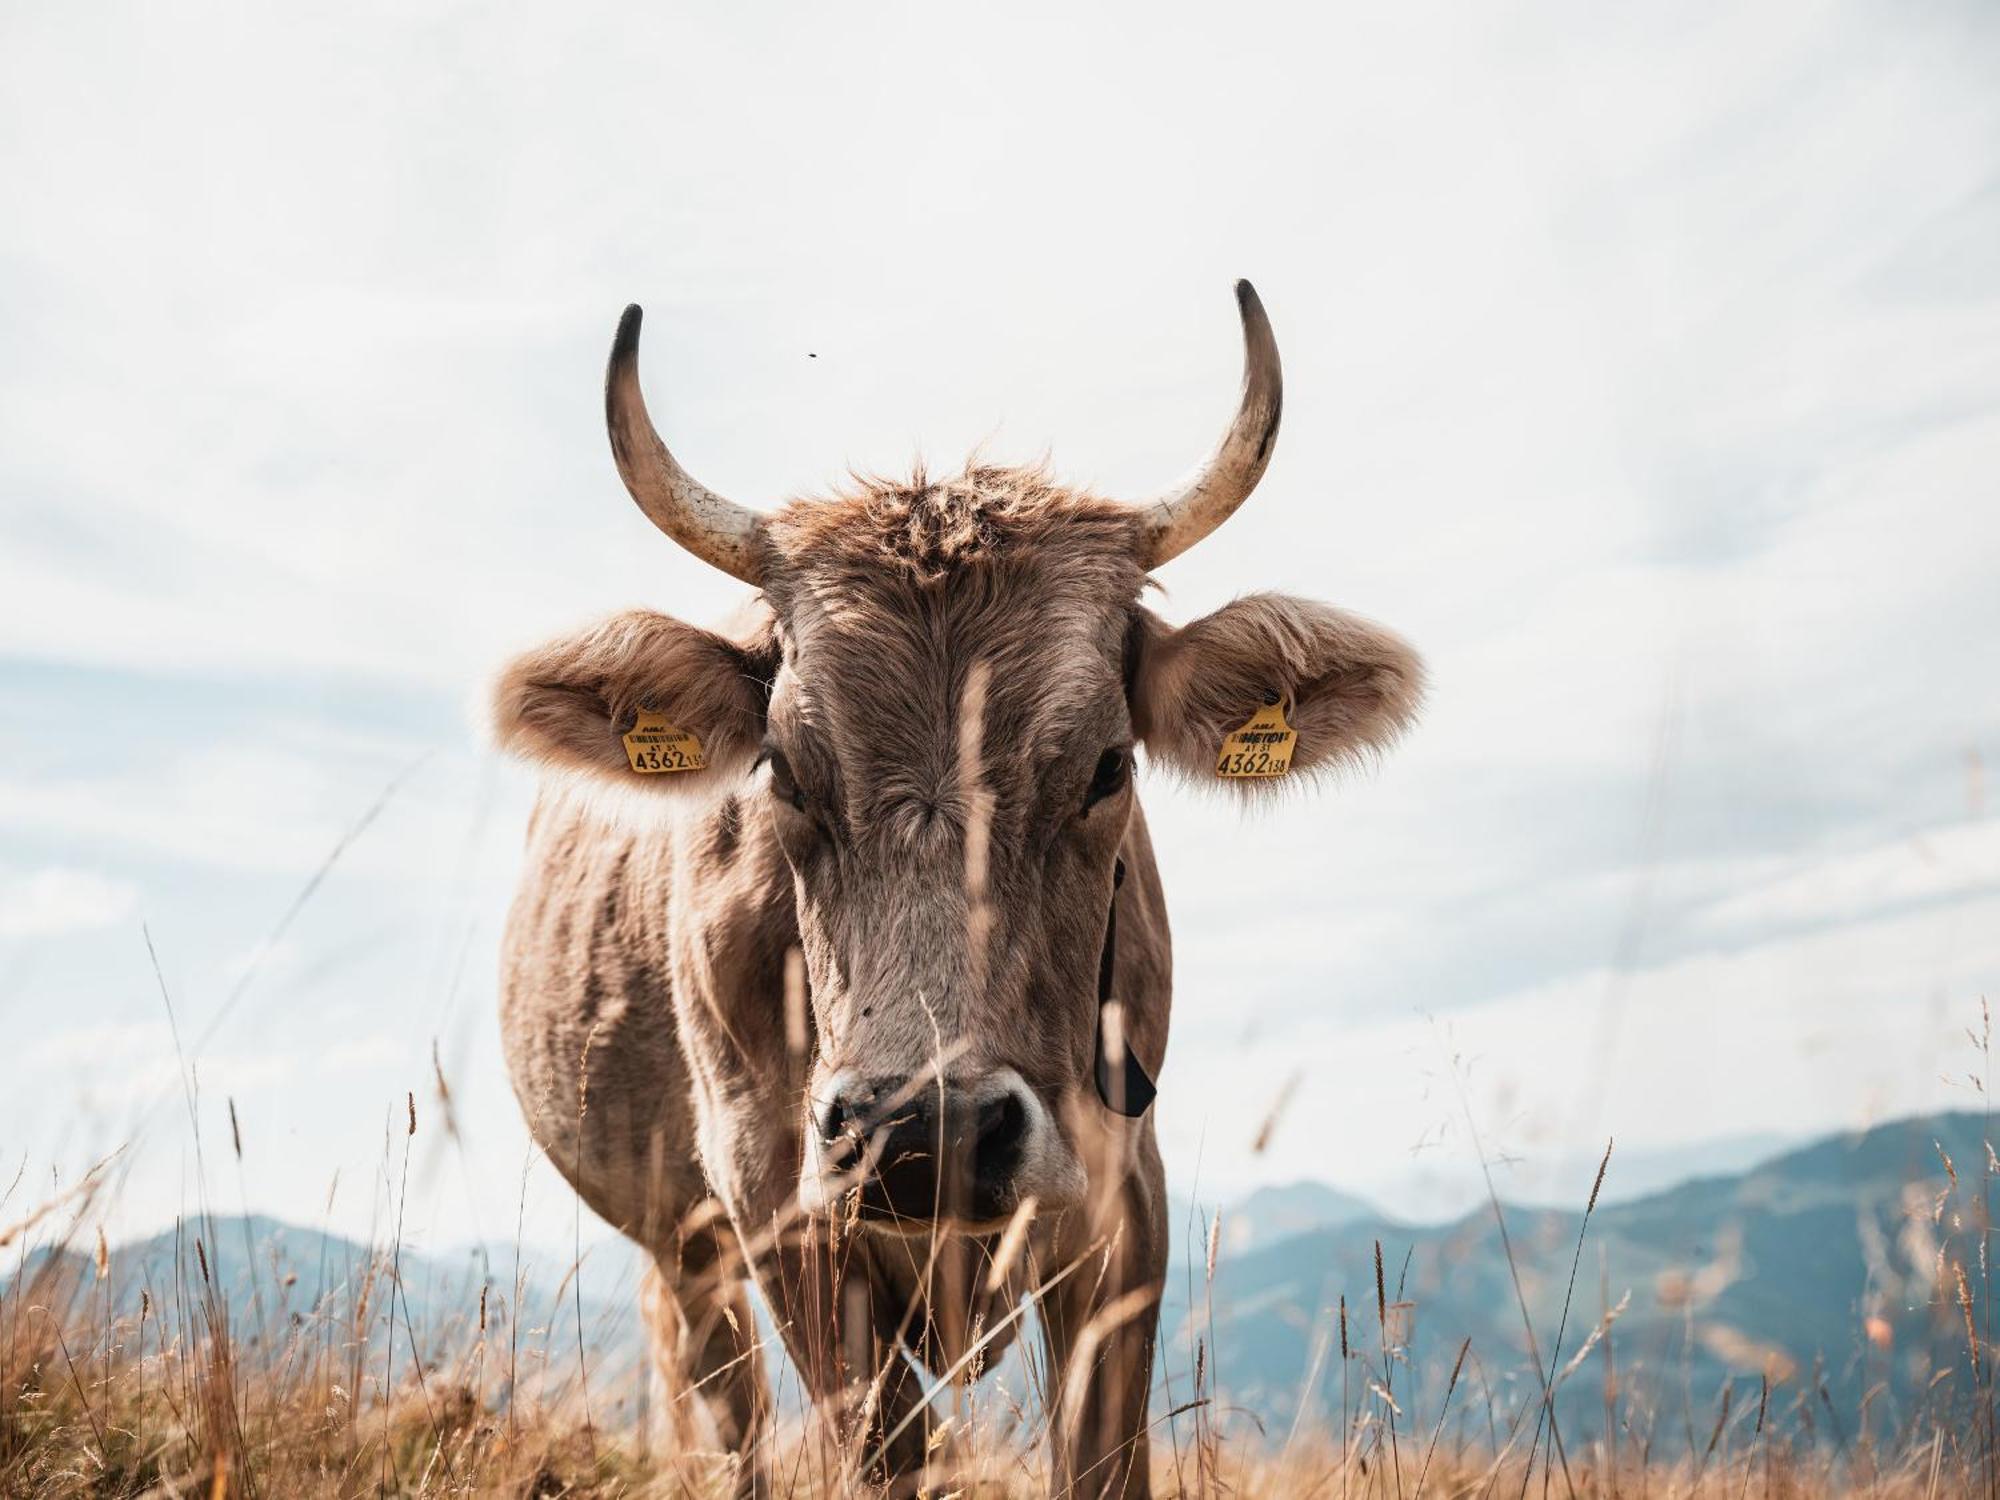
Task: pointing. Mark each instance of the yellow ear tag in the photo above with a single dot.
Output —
(656, 747)
(1261, 747)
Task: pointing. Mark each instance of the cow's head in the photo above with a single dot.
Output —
(938, 713)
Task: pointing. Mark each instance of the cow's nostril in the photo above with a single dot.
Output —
(833, 1122)
(844, 1118)
(1003, 1131)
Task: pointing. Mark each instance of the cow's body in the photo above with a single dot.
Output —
(644, 991)
(834, 1004)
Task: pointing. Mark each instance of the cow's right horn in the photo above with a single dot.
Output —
(715, 530)
(1210, 495)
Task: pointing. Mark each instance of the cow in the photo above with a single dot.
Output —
(840, 965)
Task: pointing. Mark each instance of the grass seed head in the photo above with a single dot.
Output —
(1598, 1186)
(1381, 1294)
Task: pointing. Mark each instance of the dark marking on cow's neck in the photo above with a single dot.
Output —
(611, 900)
(593, 994)
(1122, 1080)
(726, 831)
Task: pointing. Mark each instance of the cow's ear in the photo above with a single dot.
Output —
(570, 703)
(1348, 686)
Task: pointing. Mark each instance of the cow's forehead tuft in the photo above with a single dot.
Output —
(924, 531)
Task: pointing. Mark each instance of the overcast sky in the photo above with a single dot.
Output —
(1643, 367)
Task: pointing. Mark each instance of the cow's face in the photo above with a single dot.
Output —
(947, 764)
(937, 713)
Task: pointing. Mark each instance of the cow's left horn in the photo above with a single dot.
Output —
(1211, 494)
(715, 530)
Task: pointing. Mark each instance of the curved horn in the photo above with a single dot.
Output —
(716, 530)
(1208, 497)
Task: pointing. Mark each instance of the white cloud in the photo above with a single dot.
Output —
(1642, 372)
(264, 958)
(121, 1070)
(108, 1043)
(264, 804)
(55, 902)
(1830, 1029)
(350, 1053)
(1919, 867)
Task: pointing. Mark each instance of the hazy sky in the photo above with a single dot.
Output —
(1643, 367)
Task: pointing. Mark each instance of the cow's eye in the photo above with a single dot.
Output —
(783, 785)
(1113, 766)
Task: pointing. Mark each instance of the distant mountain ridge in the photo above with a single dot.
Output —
(1266, 1215)
(1833, 1264)
(267, 1275)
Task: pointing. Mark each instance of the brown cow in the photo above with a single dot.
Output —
(822, 972)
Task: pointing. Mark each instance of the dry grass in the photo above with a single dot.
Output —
(244, 1384)
(130, 1408)
(356, 1395)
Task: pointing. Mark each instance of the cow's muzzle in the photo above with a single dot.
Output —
(923, 1151)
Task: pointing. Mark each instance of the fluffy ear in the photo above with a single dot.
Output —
(569, 703)
(1353, 686)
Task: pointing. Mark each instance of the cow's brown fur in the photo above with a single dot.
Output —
(948, 889)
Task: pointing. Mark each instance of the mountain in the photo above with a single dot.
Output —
(1271, 1214)
(1553, 1181)
(263, 1275)
(1261, 1218)
(1833, 1268)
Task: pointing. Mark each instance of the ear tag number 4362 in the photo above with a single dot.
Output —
(656, 747)
(1261, 747)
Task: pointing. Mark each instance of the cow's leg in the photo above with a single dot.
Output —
(704, 1343)
(838, 1315)
(1099, 1325)
(840, 1320)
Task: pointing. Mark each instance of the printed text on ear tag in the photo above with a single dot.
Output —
(655, 747)
(1261, 747)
